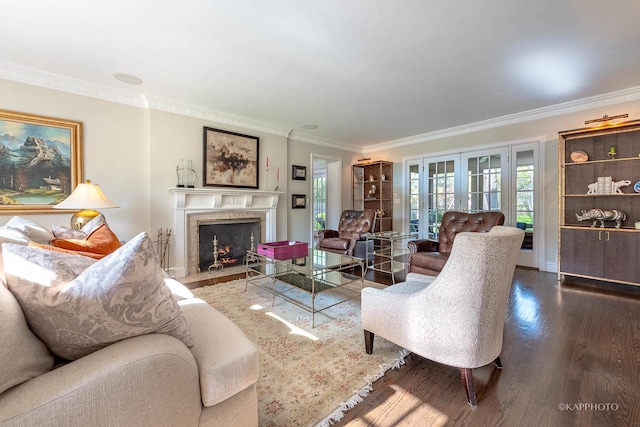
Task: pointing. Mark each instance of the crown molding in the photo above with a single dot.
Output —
(243, 122)
(214, 116)
(612, 98)
(48, 80)
(312, 139)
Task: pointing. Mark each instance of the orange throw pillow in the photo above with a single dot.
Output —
(102, 241)
(64, 251)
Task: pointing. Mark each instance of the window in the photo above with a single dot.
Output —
(319, 200)
(414, 198)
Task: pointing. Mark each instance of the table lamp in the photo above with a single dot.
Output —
(87, 197)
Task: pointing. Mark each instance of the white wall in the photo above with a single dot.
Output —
(300, 154)
(176, 137)
(115, 146)
(547, 128)
(132, 153)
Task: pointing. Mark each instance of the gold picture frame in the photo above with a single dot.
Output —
(42, 164)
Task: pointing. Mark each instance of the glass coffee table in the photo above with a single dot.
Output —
(318, 272)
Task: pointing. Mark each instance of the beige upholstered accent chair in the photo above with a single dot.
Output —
(457, 317)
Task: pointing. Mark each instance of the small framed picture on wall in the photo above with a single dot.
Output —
(299, 172)
(298, 201)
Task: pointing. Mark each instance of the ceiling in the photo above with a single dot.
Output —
(368, 73)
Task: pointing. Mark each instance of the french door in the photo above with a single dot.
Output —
(502, 178)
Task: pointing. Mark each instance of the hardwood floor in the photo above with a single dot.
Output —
(571, 357)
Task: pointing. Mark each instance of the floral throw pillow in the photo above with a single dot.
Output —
(78, 305)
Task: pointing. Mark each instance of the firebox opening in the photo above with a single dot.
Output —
(233, 240)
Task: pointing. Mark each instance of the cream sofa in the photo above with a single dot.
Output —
(149, 380)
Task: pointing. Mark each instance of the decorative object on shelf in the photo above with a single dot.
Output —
(180, 173)
(41, 175)
(602, 215)
(371, 178)
(372, 191)
(605, 185)
(380, 213)
(601, 186)
(299, 172)
(612, 152)
(87, 197)
(189, 175)
(230, 159)
(637, 225)
(298, 201)
(606, 118)
(277, 180)
(383, 177)
(615, 187)
(636, 187)
(579, 156)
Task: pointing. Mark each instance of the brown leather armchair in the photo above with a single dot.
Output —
(429, 256)
(349, 239)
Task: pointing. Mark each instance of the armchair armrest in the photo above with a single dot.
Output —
(151, 377)
(423, 245)
(227, 360)
(326, 234)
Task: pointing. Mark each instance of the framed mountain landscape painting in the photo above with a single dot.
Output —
(40, 161)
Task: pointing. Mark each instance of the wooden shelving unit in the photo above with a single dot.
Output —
(604, 253)
(373, 189)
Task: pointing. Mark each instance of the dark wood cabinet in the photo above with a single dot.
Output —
(591, 162)
(602, 253)
(373, 189)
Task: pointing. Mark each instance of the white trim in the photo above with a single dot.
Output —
(188, 201)
(49, 80)
(542, 263)
(612, 98)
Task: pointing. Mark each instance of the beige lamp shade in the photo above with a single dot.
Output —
(87, 197)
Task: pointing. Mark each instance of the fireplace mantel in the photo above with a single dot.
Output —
(224, 198)
(198, 201)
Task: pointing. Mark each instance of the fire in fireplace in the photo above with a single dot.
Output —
(233, 239)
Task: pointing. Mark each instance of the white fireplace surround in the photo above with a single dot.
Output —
(193, 206)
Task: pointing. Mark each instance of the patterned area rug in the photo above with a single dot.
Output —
(308, 376)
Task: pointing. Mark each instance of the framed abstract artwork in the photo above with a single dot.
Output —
(230, 159)
(41, 161)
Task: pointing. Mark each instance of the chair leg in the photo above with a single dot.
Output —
(498, 362)
(467, 382)
(368, 342)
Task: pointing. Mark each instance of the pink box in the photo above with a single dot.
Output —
(284, 250)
